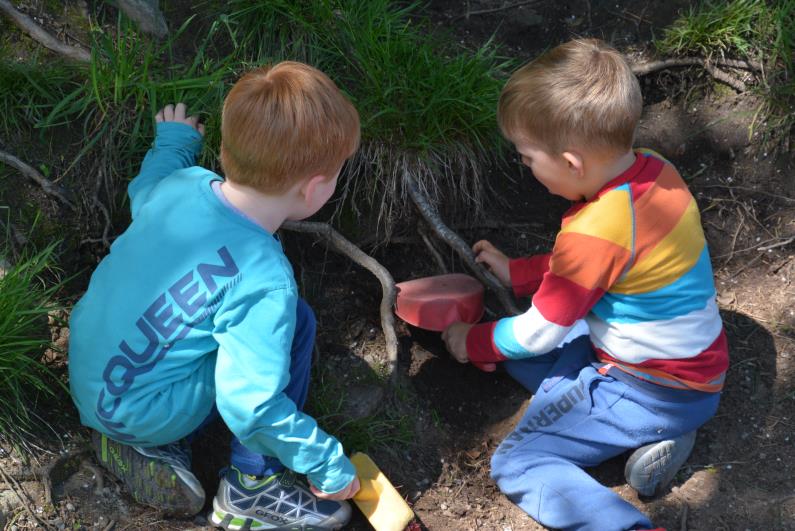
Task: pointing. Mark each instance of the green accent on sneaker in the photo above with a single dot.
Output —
(253, 486)
(114, 452)
(104, 449)
(173, 480)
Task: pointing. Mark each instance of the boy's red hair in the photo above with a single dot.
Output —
(283, 123)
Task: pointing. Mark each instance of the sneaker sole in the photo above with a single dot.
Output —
(150, 482)
(231, 522)
(652, 467)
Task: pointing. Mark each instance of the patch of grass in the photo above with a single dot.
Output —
(25, 305)
(427, 106)
(327, 404)
(754, 29)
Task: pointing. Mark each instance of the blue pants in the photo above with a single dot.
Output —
(244, 459)
(580, 418)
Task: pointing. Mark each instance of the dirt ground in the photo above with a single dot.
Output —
(740, 475)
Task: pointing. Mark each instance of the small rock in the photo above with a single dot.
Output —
(70, 507)
(200, 520)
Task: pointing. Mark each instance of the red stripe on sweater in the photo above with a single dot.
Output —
(701, 369)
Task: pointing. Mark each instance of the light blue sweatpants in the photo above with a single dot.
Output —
(580, 418)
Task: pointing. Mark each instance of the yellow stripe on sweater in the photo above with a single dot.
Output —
(675, 255)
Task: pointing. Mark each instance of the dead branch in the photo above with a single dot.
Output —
(643, 69)
(42, 36)
(431, 216)
(23, 497)
(345, 247)
(48, 186)
(710, 65)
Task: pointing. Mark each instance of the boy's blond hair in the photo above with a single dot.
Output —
(579, 94)
(283, 123)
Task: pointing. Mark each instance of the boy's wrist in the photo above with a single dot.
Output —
(177, 135)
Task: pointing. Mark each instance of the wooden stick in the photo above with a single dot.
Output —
(643, 69)
(431, 217)
(42, 36)
(345, 247)
(48, 186)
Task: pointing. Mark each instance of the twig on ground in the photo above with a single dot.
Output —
(708, 65)
(48, 186)
(643, 69)
(42, 36)
(432, 248)
(782, 243)
(23, 497)
(683, 520)
(455, 241)
(345, 247)
(497, 9)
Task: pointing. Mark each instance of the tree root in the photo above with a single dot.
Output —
(431, 217)
(42, 36)
(48, 186)
(345, 247)
(710, 65)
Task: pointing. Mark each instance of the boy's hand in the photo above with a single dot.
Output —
(455, 339)
(495, 260)
(178, 113)
(348, 492)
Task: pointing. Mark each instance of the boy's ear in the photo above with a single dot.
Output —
(313, 190)
(575, 162)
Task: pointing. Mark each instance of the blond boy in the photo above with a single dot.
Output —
(631, 262)
(195, 312)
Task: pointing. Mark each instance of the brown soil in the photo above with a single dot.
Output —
(740, 475)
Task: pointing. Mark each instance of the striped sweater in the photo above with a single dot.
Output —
(633, 263)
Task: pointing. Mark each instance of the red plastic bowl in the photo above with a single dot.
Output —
(434, 303)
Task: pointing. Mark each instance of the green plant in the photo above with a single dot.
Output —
(755, 29)
(426, 106)
(26, 302)
(327, 403)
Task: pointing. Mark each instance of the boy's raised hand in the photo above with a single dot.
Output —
(494, 259)
(348, 492)
(179, 113)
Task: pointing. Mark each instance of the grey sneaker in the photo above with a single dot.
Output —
(652, 467)
(159, 477)
(281, 501)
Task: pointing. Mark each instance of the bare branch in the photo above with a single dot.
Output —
(710, 65)
(48, 186)
(42, 36)
(431, 216)
(345, 247)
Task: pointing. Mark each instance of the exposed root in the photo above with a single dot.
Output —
(42, 36)
(48, 186)
(432, 248)
(710, 65)
(345, 247)
(431, 216)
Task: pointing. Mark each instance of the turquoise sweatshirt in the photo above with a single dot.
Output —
(194, 305)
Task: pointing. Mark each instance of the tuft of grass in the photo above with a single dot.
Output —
(426, 105)
(327, 400)
(754, 29)
(25, 306)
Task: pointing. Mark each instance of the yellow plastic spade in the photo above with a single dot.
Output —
(381, 504)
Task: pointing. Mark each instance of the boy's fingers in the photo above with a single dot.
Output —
(159, 116)
(180, 111)
(200, 128)
(168, 113)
